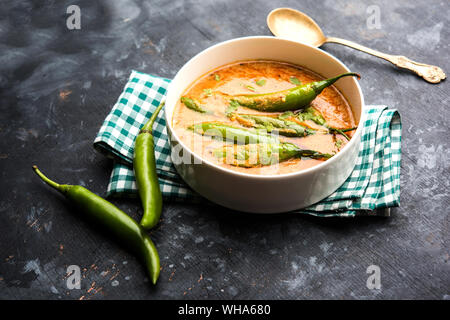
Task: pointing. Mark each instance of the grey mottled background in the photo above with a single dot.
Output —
(57, 85)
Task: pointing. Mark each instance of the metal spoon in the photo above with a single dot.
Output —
(294, 25)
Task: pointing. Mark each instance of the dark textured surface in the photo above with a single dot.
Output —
(58, 85)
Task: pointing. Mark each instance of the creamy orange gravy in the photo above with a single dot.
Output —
(235, 79)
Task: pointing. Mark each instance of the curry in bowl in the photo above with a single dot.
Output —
(264, 117)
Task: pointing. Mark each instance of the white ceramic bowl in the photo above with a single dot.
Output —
(264, 193)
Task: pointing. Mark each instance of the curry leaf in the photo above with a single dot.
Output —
(295, 81)
(261, 82)
(231, 108)
(311, 114)
(285, 115)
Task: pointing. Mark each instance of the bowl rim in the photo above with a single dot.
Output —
(266, 176)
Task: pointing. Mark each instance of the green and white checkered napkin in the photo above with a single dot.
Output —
(374, 184)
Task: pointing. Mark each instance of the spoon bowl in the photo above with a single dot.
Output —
(294, 25)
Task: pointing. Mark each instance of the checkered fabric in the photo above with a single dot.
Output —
(373, 186)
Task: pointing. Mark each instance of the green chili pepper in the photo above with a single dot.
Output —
(193, 104)
(283, 127)
(144, 165)
(291, 99)
(286, 124)
(114, 220)
(226, 132)
(254, 155)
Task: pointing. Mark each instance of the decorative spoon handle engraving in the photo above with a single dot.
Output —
(430, 73)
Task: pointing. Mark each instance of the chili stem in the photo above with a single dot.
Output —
(348, 129)
(47, 180)
(149, 125)
(342, 131)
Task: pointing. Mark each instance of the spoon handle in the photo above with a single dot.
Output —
(430, 73)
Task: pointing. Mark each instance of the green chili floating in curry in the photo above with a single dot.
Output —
(290, 99)
(192, 104)
(254, 155)
(266, 148)
(274, 125)
(231, 133)
(288, 124)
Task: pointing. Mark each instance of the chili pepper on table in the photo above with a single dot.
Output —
(254, 155)
(114, 220)
(290, 99)
(144, 166)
